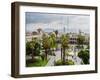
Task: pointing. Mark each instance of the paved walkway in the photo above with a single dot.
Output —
(73, 57)
(51, 61)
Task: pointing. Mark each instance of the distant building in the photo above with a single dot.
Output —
(35, 34)
(74, 36)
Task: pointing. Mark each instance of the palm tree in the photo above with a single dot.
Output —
(49, 43)
(64, 45)
(46, 44)
(52, 39)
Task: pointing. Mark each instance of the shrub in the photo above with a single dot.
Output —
(59, 62)
(84, 55)
(69, 62)
(37, 58)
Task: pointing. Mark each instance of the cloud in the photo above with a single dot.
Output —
(57, 21)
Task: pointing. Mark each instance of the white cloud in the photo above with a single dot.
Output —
(70, 22)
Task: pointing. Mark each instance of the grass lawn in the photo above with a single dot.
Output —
(37, 63)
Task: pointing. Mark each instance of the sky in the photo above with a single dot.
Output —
(50, 21)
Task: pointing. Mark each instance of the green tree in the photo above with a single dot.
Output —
(32, 45)
(49, 43)
(46, 44)
(38, 48)
(53, 45)
(80, 40)
(84, 55)
(28, 48)
(53, 40)
(64, 45)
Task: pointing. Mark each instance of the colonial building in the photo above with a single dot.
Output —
(74, 36)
